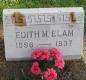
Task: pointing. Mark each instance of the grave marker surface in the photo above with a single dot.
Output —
(28, 29)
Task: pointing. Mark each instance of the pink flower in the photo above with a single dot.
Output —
(59, 63)
(35, 69)
(45, 54)
(56, 54)
(36, 53)
(50, 74)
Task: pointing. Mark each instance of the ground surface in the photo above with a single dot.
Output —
(74, 70)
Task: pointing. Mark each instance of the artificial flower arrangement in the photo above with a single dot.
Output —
(47, 65)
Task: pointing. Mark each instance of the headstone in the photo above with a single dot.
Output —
(37, 28)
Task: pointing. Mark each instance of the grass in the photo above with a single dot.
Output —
(41, 4)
